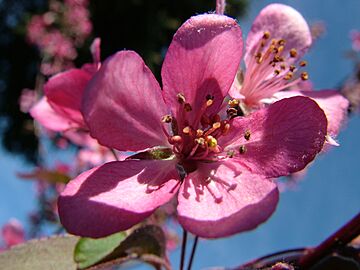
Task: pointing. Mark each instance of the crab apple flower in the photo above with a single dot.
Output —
(59, 109)
(219, 167)
(12, 233)
(278, 39)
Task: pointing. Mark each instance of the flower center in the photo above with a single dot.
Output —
(272, 67)
(197, 141)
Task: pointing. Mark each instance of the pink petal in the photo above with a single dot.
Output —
(47, 117)
(64, 92)
(124, 106)
(202, 60)
(221, 199)
(283, 22)
(116, 196)
(332, 102)
(284, 138)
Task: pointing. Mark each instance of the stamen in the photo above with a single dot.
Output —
(187, 107)
(234, 103)
(199, 132)
(200, 141)
(288, 76)
(175, 139)
(186, 130)
(166, 119)
(242, 149)
(293, 53)
(304, 76)
(266, 35)
(303, 63)
(231, 153)
(247, 135)
(292, 68)
(216, 125)
(211, 142)
(226, 129)
(181, 98)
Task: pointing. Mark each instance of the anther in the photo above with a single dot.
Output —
(209, 102)
(281, 42)
(175, 139)
(288, 76)
(266, 35)
(292, 68)
(166, 119)
(304, 76)
(234, 103)
(216, 125)
(200, 141)
(181, 98)
(231, 112)
(187, 107)
(209, 96)
(283, 66)
(276, 72)
(211, 141)
(242, 149)
(231, 153)
(293, 53)
(199, 133)
(247, 135)
(186, 130)
(303, 63)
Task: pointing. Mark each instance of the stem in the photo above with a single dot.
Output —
(193, 252)
(220, 7)
(340, 238)
(183, 250)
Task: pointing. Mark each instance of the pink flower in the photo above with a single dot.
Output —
(59, 109)
(13, 233)
(219, 167)
(355, 38)
(278, 38)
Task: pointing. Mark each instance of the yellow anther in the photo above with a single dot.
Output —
(199, 133)
(281, 42)
(280, 48)
(293, 52)
(216, 125)
(187, 107)
(186, 130)
(266, 35)
(234, 103)
(304, 76)
(288, 76)
(211, 141)
(166, 119)
(276, 72)
(209, 102)
(181, 98)
(200, 141)
(303, 63)
(247, 135)
(242, 149)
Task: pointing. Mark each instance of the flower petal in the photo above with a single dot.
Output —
(221, 199)
(282, 22)
(116, 196)
(47, 117)
(335, 106)
(202, 60)
(123, 105)
(281, 139)
(64, 92)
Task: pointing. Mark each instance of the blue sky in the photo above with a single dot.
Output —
(327, 197)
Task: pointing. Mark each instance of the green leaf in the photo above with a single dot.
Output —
(89, 251)
(43, 254)
(146, 243)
